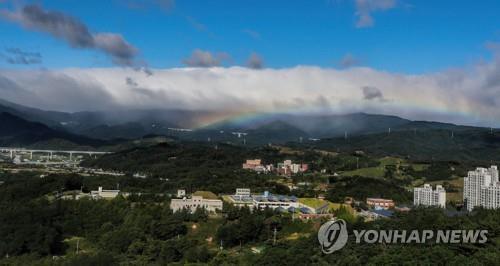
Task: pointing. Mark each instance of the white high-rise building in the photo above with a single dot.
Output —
(490, 196)
(481, 188)
(425, 196)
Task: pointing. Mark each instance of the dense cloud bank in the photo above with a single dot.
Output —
(463, 96)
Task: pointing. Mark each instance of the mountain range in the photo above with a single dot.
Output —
(25, 126)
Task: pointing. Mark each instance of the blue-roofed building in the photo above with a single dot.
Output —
(383, 213)
(264, 200)
(376, 214)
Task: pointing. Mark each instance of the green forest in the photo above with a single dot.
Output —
(38, 228)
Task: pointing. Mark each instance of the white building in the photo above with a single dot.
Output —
(481, 188)
(199, 199)
(426, 196)
(181, 193)
(243, 197)
(104, 193)
(490, 196)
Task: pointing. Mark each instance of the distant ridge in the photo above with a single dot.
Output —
(16, 131)
(265, 128)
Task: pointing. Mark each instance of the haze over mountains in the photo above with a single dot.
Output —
(264, 128)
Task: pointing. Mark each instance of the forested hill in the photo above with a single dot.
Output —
(215, 167)
(438, 144)
(16, 131)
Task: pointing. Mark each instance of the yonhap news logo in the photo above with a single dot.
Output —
(333, 236)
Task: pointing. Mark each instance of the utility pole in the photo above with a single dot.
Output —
(274, 238)
(77, 245)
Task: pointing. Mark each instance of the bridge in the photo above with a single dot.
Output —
(13, 151)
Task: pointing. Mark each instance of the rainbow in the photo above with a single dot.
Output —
(255, 118)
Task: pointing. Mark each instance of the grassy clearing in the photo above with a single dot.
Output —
(379, 171)
(420, 167)
(205, 194)
(457, 184)
(316, 203)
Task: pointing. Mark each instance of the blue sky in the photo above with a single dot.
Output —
(410, 37)
(423, 60)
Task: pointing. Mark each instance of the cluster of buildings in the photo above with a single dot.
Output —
(286, 168)
(282, 203)
(426, 196)
(256, 165)
(244, 198)
(200, 199)
(482, 188)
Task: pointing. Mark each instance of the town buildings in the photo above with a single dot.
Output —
(200, 199)
(287, 168)
(426, 196)
(482, 188)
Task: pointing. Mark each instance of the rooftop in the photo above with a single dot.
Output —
(206, 195)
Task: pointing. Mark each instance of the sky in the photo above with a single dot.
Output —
(432, 60)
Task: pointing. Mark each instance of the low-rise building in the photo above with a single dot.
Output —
(426, 196)
(243, 197)
(200, 199)
(256, 165)
(287, 168)
(104, 193)
(252, 164)
(380, 203)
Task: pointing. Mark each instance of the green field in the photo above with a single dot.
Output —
(379, 171)
(316, 203)
(458, 184)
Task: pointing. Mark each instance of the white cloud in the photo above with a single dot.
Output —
(365, 8)
(469, 95)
